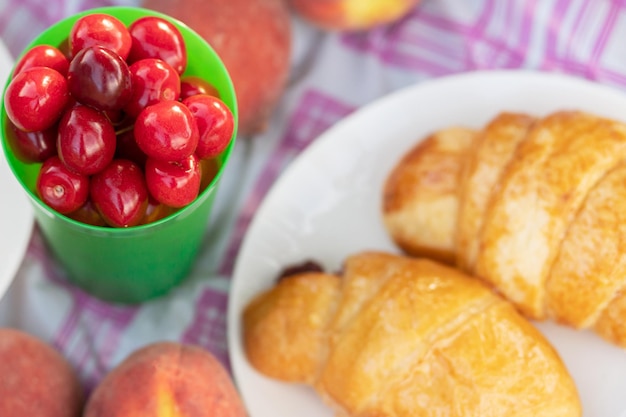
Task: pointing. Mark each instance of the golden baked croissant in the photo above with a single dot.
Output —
(399, 336)
(426, 187)
(541, 211)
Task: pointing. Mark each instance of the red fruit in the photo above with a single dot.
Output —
(37, 379)
(153, 80)
(208, 168)
(32, 147)
(100, 78)
(343, 16)
(100, 29)
(174, 184)
(116, 117)
(156, 211)
(35, 98)
(166, 131)
(215, 124)
(64, 47)
(167, 379)
(190, 85)
(127, 148)
(86, 141)
(87, 214)
(119, 193)
(254, 40)
(43, 56)
(60, 188)
(154, 37)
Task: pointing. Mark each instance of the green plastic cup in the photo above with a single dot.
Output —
(134, 264)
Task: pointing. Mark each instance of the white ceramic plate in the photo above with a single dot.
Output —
(326, 206)
(16, 215)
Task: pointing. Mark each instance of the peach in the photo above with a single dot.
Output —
(253, 38)
(352, 15)
(35, 379)
(166, 379)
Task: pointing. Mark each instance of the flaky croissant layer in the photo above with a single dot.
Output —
(535, 206)
(396, 336)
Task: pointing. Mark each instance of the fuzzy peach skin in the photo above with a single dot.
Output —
(35, 379)
(352, 15)
(253, 38)
(166, 379)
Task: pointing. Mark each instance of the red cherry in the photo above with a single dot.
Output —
(215, 124)
(166, 131)
(86, 140)
(32, 147)
(190, 85)
(87, 214)
(116, 117)
(156, 211)
(99, 78)
(153, 80)
(43, 56)
(127, 148)
(174, 184)
(119, 193)
(64, 47)
(100, 29)
(35, 98)
(209, 168)
(154, 37)
(60, 188)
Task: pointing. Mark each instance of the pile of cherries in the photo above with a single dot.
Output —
(124, 136)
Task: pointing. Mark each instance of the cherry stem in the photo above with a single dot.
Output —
(124, 129)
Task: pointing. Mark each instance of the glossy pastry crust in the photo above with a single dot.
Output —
(540, 216)
(399, 336)
(420, 200)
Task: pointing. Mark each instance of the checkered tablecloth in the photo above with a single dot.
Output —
(332, 75)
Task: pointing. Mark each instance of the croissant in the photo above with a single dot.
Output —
(394, 335)
(536, 208)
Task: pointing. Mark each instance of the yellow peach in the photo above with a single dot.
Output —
(166, 379)
(352, 15)
(253, 38)
(35, 379)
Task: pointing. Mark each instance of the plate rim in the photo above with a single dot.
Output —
(234, 308)
(15, 196)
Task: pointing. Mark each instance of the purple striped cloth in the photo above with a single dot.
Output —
(22, 20)
(334, 74)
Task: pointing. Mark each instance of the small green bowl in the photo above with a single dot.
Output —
(135, 264)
